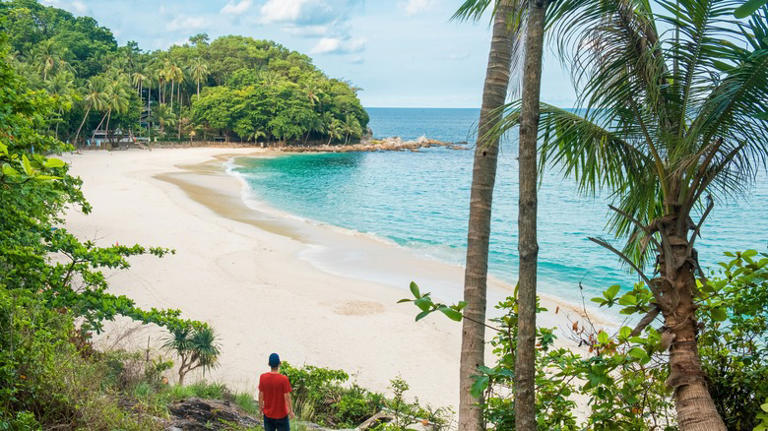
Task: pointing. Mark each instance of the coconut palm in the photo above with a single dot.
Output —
(665, 120)
(500, 60)
(118, 97)
(174, 74)
(198, 69)
(138, 78)
(94, 98)
(527, 244)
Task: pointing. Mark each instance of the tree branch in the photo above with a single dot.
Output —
(646, 320)
(710, 205)
(645, 228)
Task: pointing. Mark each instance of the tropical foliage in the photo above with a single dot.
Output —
(53, 293)
(672, 110)
(624, 374)
(231, 88)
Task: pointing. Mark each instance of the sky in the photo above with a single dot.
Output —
(401, 53)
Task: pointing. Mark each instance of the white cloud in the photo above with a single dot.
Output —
(306, 12)
(308, 30)
(186, 23)
(412, 7)
(236, 8)
(80, 7)
(76, 7)
(335, 45)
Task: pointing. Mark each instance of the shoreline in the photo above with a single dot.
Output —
(318, 237)
(254, 275)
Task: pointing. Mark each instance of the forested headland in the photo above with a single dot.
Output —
(232, 88)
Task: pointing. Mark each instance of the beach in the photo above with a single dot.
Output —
(269, 282)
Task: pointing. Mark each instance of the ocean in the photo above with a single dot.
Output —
(420, 200)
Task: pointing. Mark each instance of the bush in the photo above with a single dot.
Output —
(320, 396)
(45, 381)
(733, 343)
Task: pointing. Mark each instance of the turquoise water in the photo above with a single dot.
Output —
(420, 200)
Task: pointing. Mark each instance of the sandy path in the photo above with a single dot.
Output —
(244, 274)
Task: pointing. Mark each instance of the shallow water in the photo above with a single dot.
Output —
(420, 200)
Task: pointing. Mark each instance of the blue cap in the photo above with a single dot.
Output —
(274, 360)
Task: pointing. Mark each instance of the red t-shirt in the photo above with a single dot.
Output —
(274, 386)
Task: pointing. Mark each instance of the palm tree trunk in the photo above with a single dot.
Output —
(77, 134)
(527, 245)
(106, 129)
(171, 95)
(198, 88)
(479, 229)
(695, 409)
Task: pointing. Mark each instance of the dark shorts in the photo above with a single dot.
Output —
(276, 424)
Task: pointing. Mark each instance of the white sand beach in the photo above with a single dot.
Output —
(257, 277)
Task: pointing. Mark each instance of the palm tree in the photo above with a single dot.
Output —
(500, 59)
(527, 245)
(94, 98)
(138, 79)
(664, 120)
(116, 97)
(174, 74)
(199, 71)
(197, 348)
(47, 58)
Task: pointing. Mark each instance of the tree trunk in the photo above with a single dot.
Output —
(198, 88)
(77, 134)
(527, 245)
(695, 409)
(171, 95)
(479, 229)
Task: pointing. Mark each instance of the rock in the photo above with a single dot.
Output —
(195, 414)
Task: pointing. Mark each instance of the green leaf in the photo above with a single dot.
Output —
(3, 149)
(764, 407)
(415, 290)
(404, 300)
(718, 314)
(625, 332)
(424, 303)
(8, 170)
(602, 337)
(628, 299)
(639, 354)
(451, 313)
(423, 314)
(26, 165)
(748, 8)
(722, 66)
(54, 163)
(749, 253)
(481, 383)
(611, 292)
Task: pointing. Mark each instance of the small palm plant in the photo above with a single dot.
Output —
(197, 348)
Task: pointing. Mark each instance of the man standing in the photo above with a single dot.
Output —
(275, 397)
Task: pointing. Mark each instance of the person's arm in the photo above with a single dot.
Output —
(289, 405)
(261, 401)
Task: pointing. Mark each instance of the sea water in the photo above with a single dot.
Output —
(420, 200)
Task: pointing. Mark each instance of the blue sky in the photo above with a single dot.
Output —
(402, 53)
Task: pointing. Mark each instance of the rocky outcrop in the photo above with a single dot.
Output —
(195, 414)
(386, 144)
